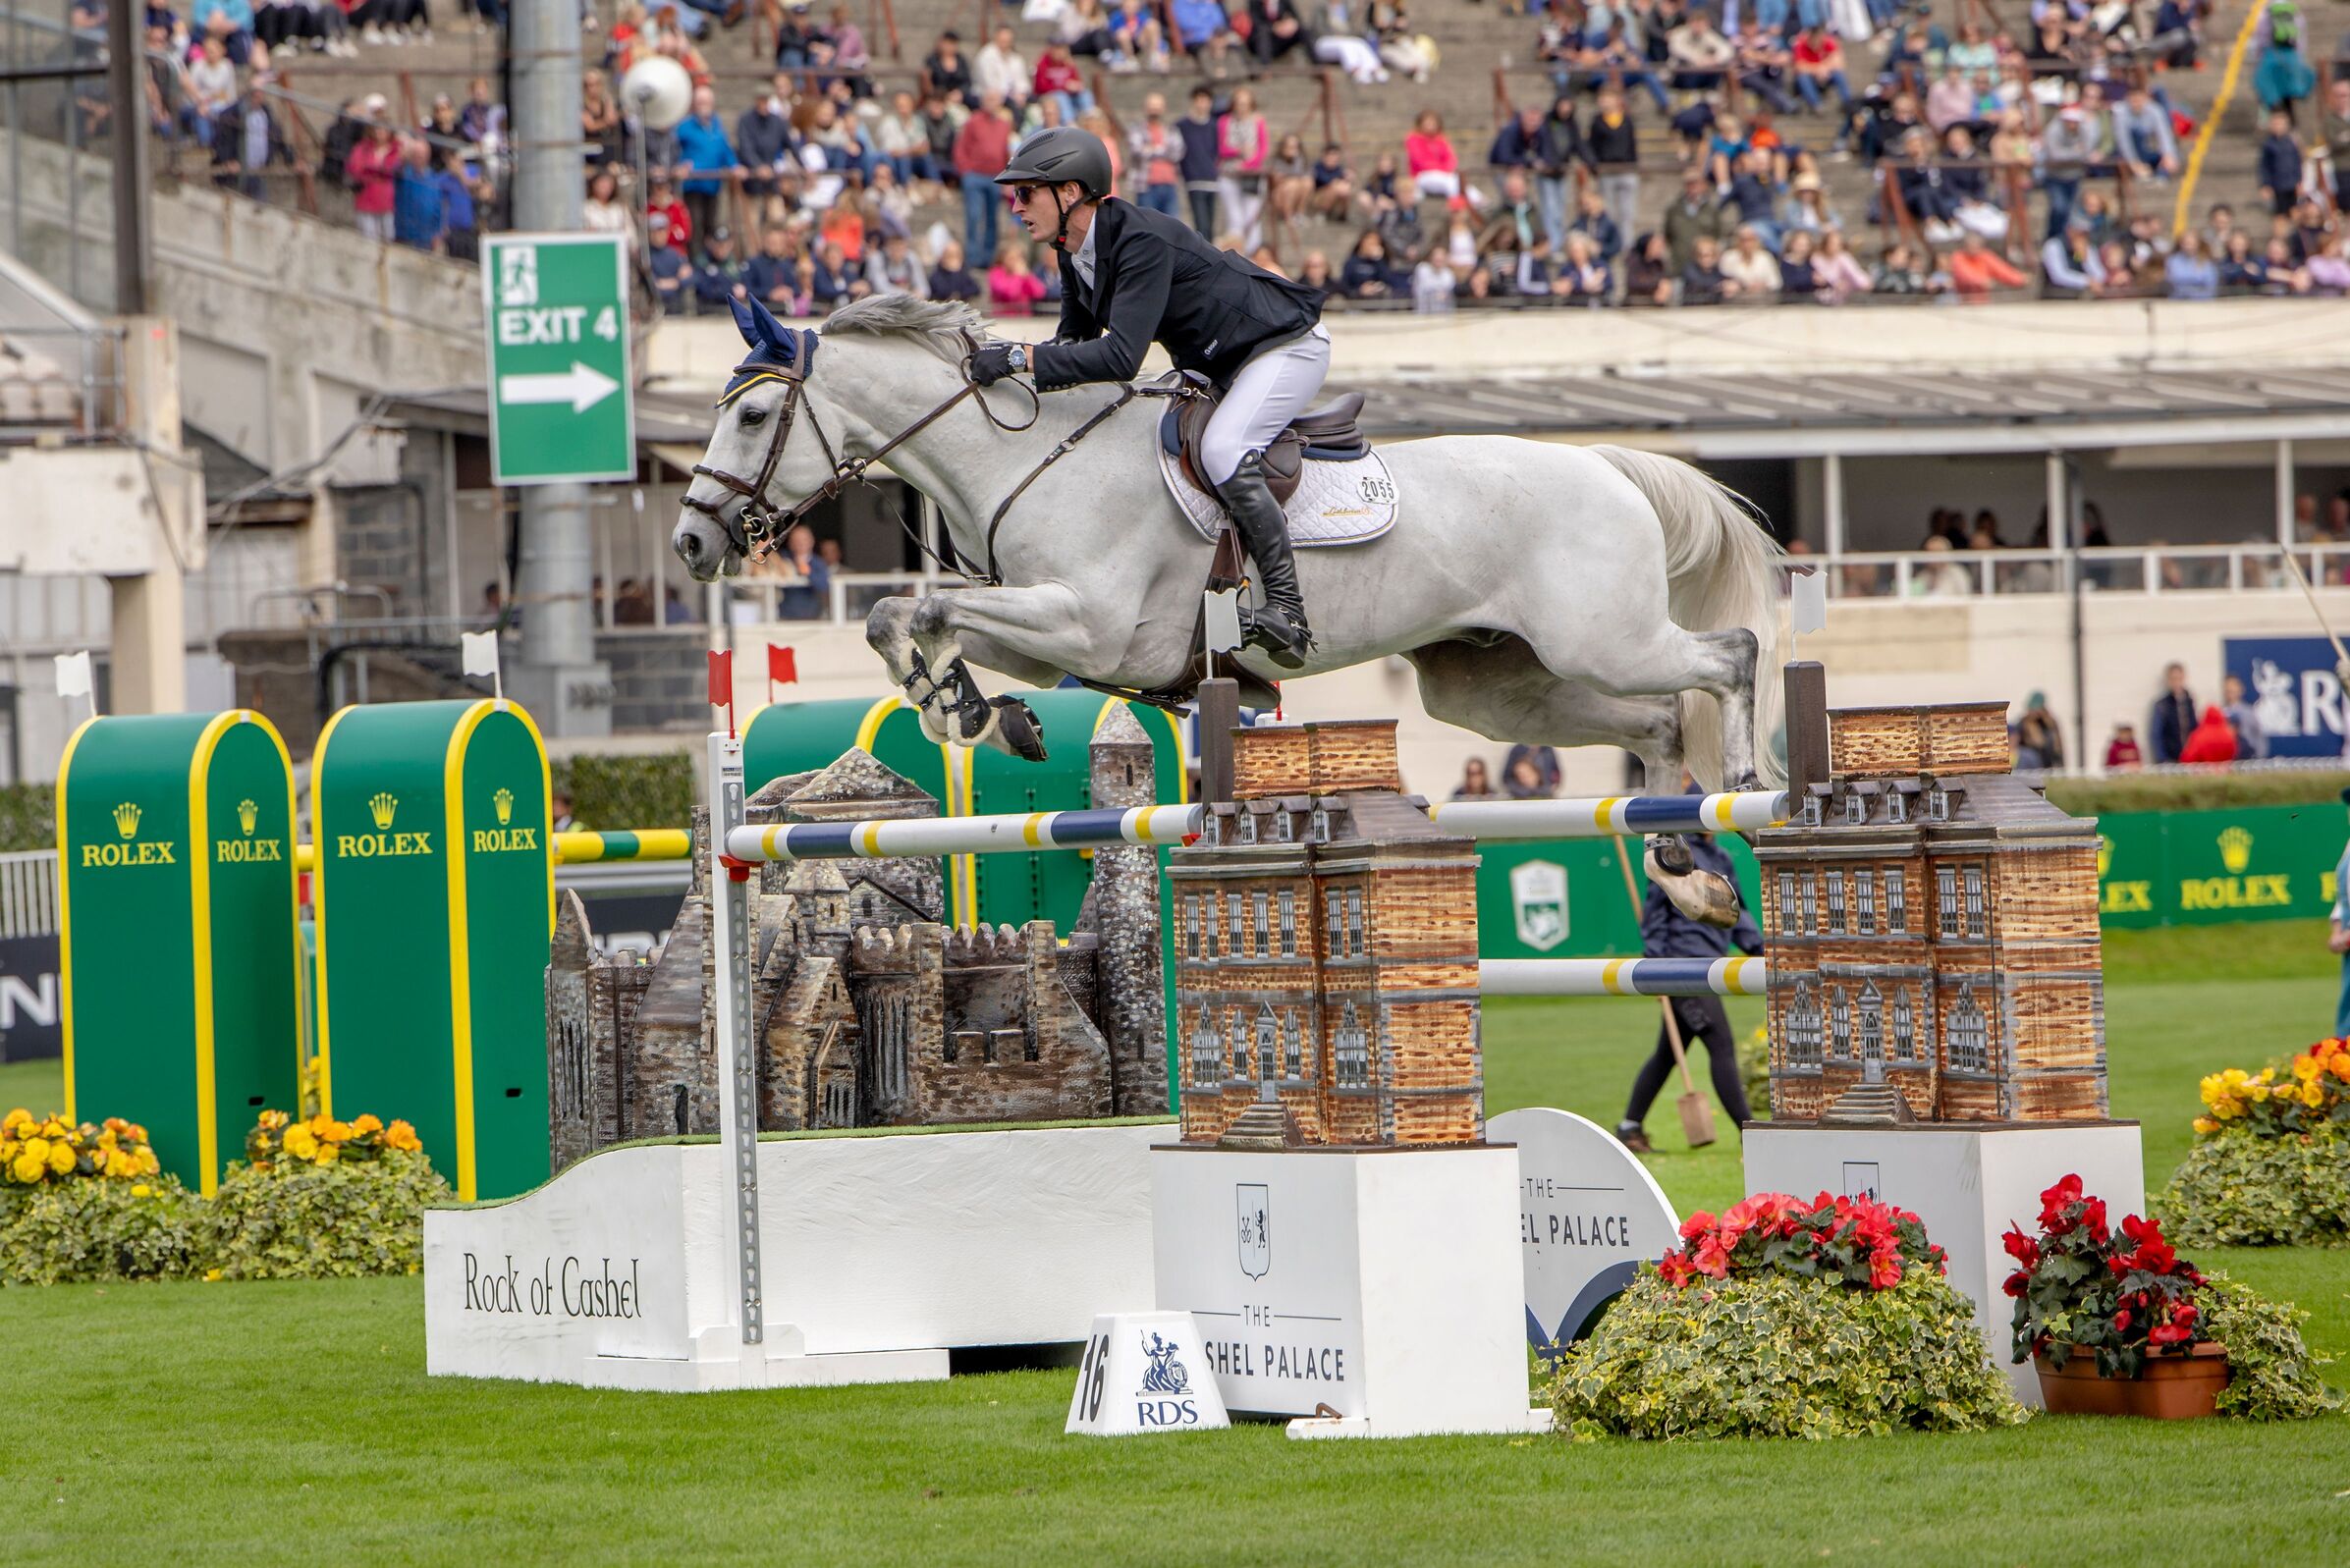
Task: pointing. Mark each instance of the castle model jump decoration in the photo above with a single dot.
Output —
(866, 1009)
(1326, 952)
(1933, 927)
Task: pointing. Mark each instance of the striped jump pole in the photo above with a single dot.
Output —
(1009, 833)
(1623, 977)
(581, 847)
(1613, 816)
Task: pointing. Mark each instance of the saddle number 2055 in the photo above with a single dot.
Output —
(1379, 491)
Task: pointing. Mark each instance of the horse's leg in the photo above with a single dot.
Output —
(1043, 625)
(889, 629)
(1665, 663)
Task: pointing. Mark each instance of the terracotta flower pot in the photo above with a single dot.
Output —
(2166, 1387)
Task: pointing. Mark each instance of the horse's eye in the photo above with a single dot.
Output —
(753, 414)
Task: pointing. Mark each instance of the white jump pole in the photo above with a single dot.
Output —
(1623, 977)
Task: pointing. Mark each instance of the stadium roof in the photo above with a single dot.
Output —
(1736, 415)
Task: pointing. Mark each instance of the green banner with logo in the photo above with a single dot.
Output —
(1565, 898)
(435, 901)
(2210, 867)
(177, 901)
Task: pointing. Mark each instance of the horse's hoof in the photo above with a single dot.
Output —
(1669, 854)
(1702, 896)
(1022, 732)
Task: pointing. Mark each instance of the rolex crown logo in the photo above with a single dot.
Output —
(126, 819)
(247, 814)
(381, 807)
(2235, 850)
(503, 801)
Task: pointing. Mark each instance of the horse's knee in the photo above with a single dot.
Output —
(931, 618)
(885, 628)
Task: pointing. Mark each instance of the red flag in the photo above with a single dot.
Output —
(782, 665)
(722, 679)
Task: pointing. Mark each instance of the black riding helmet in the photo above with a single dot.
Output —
(1056, 156)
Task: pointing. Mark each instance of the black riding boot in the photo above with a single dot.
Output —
(1278, 627)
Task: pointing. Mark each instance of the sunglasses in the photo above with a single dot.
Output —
(1023, 195)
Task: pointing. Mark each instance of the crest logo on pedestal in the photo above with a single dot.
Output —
(1538, 894)
(1255, 1203)
(1165, 1375)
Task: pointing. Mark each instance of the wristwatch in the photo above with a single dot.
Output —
(1018, 358)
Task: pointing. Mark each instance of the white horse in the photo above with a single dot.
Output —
(1545, 593)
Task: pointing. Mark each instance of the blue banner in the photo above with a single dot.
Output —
(2295, 690)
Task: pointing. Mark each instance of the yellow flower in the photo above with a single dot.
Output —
(211, 1276)
(19, 1117)
(118, 1164)
(327, 1152)
(142, 1190)
(53, 1128)
(147, 1164)
(60, 1158)
(38, 1149)
(319, 1124)
(366, 1124)
(28, 1167)
(272, 1120)
(2206, 1124)
(2256, 1092)
(301, 1142)
(400, 1135)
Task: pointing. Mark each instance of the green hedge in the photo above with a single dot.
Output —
(28, 817)
(2199, 791)
(611, 792)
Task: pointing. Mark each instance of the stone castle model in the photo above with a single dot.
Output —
(1933, 930)
(866, 1009)
(1326, 952)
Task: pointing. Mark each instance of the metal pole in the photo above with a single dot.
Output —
(1832, 500)
(126, 87)
(557, 554)
(729, 995)
(2284, 494)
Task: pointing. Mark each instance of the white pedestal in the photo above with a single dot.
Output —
(878, 1253)
(1377, 1292)
(1142, 1373)
(1967, 1183)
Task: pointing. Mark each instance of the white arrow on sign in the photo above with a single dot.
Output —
(581, 386)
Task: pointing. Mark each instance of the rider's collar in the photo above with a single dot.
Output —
(789, 361)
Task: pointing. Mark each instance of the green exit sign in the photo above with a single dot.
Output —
(557, 313)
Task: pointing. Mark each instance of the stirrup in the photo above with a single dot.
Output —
(1280, 636)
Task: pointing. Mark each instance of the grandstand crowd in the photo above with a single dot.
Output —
(1680, 154)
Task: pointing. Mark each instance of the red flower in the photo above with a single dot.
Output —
(2022, 1248)
(2093, 1215)
(2018, 1282)
(2056, 1200)
(1713, 1257)
(1674, 1268)
(1696, 1225)
(2121, 1319)
(1884, 1269)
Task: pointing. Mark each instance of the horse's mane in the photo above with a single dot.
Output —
(938, 325)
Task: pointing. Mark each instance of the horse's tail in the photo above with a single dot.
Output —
(1720, 571)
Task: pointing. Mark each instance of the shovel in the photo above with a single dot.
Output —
(1697, 1116)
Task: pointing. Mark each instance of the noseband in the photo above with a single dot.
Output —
(761, 527)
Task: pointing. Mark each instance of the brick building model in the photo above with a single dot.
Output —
(1326, 953)
(866, 1009)
(1932, 924)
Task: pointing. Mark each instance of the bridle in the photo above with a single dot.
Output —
(759, 526)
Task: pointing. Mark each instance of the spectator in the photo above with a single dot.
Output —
(1750, 273)
(1199, 161)
(1649, 274)
(1427, 155)
(600, 124)
(2192, 272)
(419, 204)
(248, 139)
(1334, 184)
(833, 278)
(462, 194)
(764, 144)
(2240, 270)
(1157, 149)
(2328, 271)
(2068, 267)
(1818, 64)
(1001, 68)
(722, 278)
(1702, 280)
(807, 575)
(668, 265)
(767, 276)
(601, 211)
(661, 197)
(1197, 24)
(2039, 741)
(1435, 283)
(2142, 135)
(1837, 271)
(1545, 762)
(981, 149)
(1274, 29)
(1474, 785)
(949, 279)
(704, 157)
(2173, 716)
(1798, 282)
(1583, 278)
(1762, 63)
(2121, 751)
(2283, 76)
(1897, 272)
(1056, 81)
(1368, 274)
(1339, 43)
(1138, 39)
(1012, 285)
(2067, 148)
(1613, 150)
(1696, 215)
(213, 80)
(1701, 57)
(1976, 269)
(2244, 715)
(1592, 223)
(1243, 146)
(2210, 741)
(1314, 273)
(227, 23)
(2280, 164)
(2335, 128)
(1560, 154)
(1398, 44)
(947, 75)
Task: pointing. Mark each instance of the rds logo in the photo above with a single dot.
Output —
(1161, 1401)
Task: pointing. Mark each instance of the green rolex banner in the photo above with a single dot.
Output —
(177, 902)
(435, 897)
(2210, 867)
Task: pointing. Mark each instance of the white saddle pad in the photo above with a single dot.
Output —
(1336, 503)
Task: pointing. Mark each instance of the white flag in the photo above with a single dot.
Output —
(72, 674)
(1810, 600)
(481, 653)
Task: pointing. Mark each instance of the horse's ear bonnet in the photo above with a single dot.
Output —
(776, 350)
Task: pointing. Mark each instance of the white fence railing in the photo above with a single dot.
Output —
(29, 893)
(2151, 569)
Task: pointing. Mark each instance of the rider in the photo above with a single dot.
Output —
(1129, 276)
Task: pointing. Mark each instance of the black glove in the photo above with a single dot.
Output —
(992, 363)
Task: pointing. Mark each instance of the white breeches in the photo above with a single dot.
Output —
(1276, 387)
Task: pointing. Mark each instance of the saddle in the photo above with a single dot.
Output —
(1328, 434)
